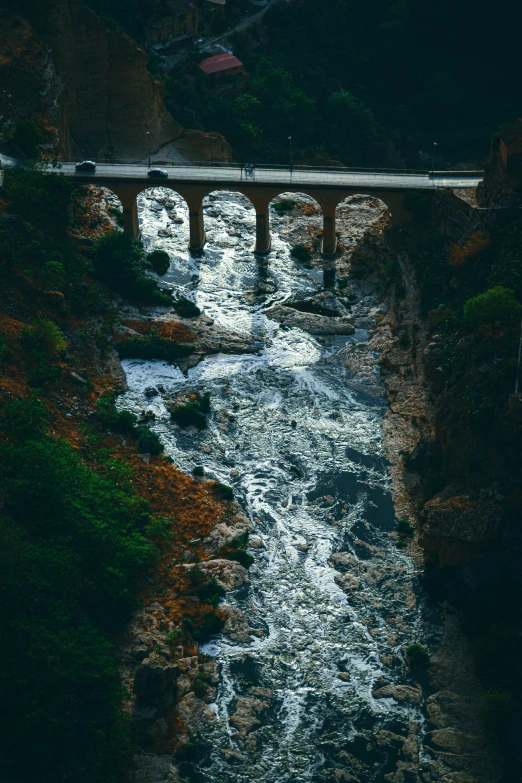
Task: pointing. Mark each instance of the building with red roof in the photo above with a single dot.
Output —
(221, 65)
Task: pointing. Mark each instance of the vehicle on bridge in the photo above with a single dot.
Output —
(86, 165)
(157, 173)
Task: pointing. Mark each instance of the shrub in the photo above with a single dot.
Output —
(117, 214)
(202, 627)
(159, 261)
(185, 308)
(301, 252)
(223, 490)
(497, 707)
(172, 637)
(496, 304)
(193, 413)
(148, 441)
(152, 347)
(24, 419)
(417, 655)
(123, 422)
(44, 375)
(40, 198)
(198, 470)
(284, 205)
(42, 339)
(120, 261)
(404, 527)
(236, 550)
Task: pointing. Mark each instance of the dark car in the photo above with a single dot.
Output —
(86, 165)
(157, 173)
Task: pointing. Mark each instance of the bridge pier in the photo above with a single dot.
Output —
(329, 243)
(131, 223)
(196, 225)
(263, 239)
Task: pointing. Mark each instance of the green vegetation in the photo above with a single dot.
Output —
(301, 252)
(198, 470)
(284, 205)
(185, 308)
(404, 527)
(236, 550)
(223, 490)
(74, 537)
(152, 347)
(149, 442)
(192, 413)
(159, 260)
(495, 305)
(121, 262)
(27, 137)
(417, 656)
(203, 627)
(42, 340)
(40, 199)
(206, 588)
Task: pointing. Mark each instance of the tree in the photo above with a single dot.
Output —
(497, 304)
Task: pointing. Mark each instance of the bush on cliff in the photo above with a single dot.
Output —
(120, 261)
(185, 308)
(192, 413)
(73, 539)
(495, 305)
(159, 261)
(152, 347)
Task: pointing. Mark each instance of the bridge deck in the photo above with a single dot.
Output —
(231, 175)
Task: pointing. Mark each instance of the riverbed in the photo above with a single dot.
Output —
(320, 690)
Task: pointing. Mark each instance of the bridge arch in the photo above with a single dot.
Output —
(168, 204)
(229, 210)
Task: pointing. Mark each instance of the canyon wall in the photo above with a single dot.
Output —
(87, 87)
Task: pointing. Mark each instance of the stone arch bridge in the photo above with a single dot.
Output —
(327, 186)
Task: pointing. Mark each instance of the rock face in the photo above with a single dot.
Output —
(155, 683)
(310, 322)
(456, 526)
(105, 99)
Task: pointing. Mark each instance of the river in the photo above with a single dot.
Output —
(297, 433)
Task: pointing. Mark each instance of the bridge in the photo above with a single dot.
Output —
(328, 186)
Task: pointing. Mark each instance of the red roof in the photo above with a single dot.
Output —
(221, 62)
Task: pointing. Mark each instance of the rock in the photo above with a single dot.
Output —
(245, 717)
(149, 768)
(79, 379)
(150, 391)
(457, 526)
(344, 676)
(401, 693)
(155, 683)
(236, 626)
(110, 99)
(233, 755)
(310, 322)
(453, 741)
(347, 581)
(195, 714)
(228, 573)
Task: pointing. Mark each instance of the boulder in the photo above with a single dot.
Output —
(149, 768)
(195, 714)
(310, 322)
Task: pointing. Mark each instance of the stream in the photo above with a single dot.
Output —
(298, 435)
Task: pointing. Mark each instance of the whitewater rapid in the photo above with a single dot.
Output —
(301, 444)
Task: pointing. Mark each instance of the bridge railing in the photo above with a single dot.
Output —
(282, 167)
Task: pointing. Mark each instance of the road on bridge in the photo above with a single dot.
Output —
(265, 175)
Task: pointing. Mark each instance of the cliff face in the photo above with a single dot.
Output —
(102, 100)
